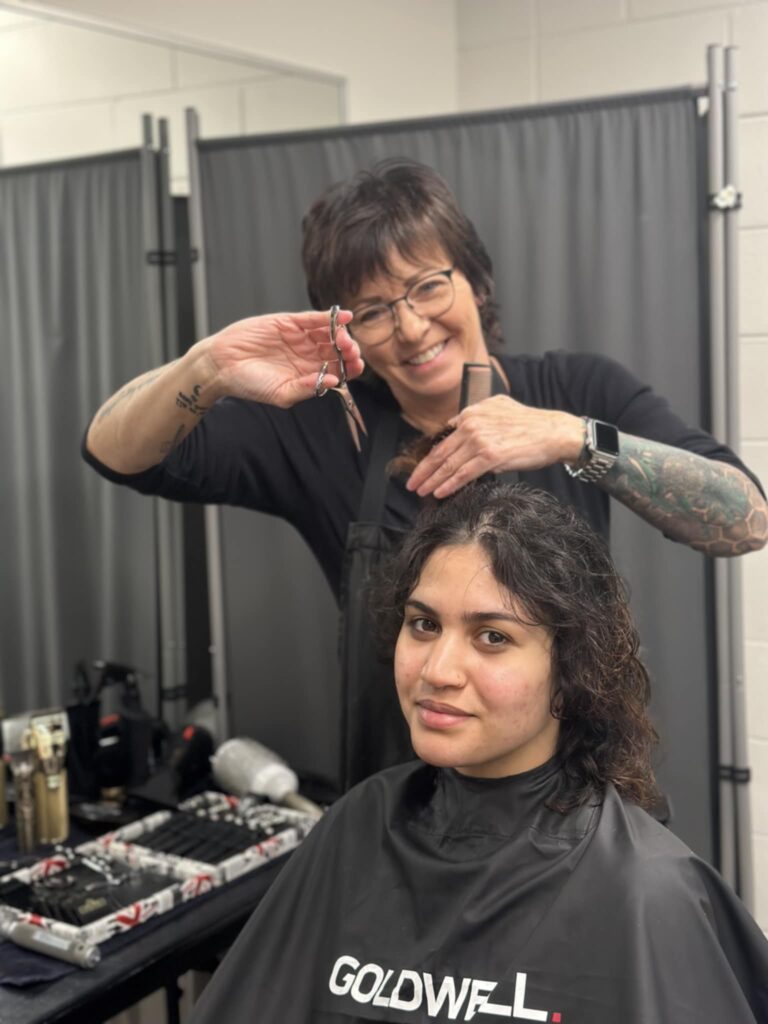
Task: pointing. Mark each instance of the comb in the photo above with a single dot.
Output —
(476, 383)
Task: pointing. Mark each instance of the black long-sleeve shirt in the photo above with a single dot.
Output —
(300, 463)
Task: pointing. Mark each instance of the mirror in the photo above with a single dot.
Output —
(69, 89)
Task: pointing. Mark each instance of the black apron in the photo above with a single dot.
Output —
(374, 734)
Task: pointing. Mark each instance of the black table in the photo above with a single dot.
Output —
(191, 939)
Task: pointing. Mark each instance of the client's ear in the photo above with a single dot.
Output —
(557, 702)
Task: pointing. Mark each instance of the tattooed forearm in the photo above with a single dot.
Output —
(126, 392)
(190, 402)
(711, 506)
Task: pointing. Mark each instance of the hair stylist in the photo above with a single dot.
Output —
(235, 419)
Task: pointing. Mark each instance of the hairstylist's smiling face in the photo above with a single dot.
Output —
(422, 361)
(474, 681)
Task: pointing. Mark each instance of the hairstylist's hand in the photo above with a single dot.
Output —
(493, 436)
(276, 358)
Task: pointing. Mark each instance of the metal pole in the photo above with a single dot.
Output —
(168, 265)
(743, 823)
(212, 516)
(153, 327)
(171, 552)
(718, 379)
(717, 238)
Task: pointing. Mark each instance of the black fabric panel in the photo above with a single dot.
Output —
(77, 556)
(593, 215)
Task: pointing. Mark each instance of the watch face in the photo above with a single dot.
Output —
(606, 438)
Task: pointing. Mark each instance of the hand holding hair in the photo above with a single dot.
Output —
(494, 436)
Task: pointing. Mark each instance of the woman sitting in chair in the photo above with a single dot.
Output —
(513, 870)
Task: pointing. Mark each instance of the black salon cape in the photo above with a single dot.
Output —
(427, 896)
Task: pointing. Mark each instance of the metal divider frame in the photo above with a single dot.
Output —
(724, 200)
(161, 322)
(212, 514)
(153, 325)
(174, 690)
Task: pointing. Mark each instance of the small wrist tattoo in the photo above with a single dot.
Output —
(190, 402)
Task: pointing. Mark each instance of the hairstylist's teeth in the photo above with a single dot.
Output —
(428, 356)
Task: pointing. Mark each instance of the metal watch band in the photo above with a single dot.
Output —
(593, 464)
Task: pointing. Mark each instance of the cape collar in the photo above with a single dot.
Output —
(463, 804)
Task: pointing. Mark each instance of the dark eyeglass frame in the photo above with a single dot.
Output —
(402, 298)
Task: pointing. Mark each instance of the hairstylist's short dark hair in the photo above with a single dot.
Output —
(398, 205)
(562, 577)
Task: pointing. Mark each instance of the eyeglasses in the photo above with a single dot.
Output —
(429, 297)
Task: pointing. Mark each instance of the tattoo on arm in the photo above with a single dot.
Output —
(190, 402)
(126, 392)
(711, 506)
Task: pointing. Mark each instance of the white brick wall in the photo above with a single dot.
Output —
(628, 57)
(493, 23)
(749, 31)
(753, 294)
(753, 168)
(559, 16)
(504, 69)
(658, 8)
(564, 49)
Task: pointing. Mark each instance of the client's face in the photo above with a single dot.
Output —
(474, 683)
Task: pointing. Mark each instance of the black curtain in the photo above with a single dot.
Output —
(594, 216)
(79, 315)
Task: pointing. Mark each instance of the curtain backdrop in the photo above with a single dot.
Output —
(593, 214)
(77, 319)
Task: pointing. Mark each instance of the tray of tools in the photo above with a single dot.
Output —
(118, 881)
(214, 835)
(90, 897)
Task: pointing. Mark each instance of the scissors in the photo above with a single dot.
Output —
(354, 418)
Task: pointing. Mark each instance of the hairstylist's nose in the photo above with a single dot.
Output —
(409, 326)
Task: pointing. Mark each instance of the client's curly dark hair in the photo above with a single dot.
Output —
(562, 576)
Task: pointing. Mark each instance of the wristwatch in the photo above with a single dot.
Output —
(600, 451)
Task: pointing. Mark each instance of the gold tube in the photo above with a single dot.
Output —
(57, 806)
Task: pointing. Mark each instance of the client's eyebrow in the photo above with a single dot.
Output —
(504, 616)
